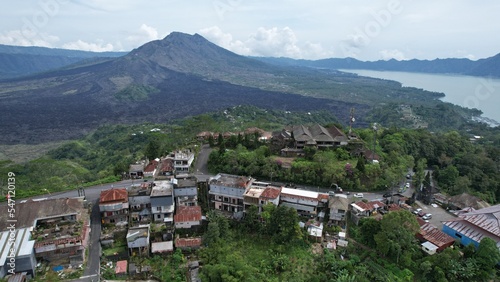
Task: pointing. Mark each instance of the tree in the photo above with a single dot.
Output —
(360, 166)
(397, 234)
(251, 219)
(283, 225)
(487, 257)
(153, 150)
(368, 228)
(212, 235)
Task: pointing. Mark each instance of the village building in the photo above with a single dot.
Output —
(24, 255)
(185, 191)
(227, 191)
(140, 204)
(433, 240)
(182, 160)
(167, 167)
(114, 206)
(188, 244)
(472, 227)
(187, 216)
(138, 241)
(60, 228)
(151, 169)
(361, 209)
(260, 194)
(304, 201)
(339, 205)
(136, 171)
(162, 202)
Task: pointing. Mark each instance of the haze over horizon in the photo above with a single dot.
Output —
(399, 29)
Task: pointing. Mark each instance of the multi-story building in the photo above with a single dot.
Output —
(339, 205)
(226, 192)
(185, 191)
(182, 160)
(60, 228)
(162, 202)
(138, 241)
(260, 194)
(140, 203)
(114, 206)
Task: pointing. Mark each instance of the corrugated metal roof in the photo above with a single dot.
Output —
(23, 246)
(437, 237)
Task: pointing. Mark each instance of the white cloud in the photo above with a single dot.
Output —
(225, 40)
(87, 46)
(392, 54)
(273, 42)
(27, 38)
(144, 34)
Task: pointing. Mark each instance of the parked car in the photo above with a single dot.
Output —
(358, 195)
(407, 184)
(421, 213)
(427, 216)
(417, 211)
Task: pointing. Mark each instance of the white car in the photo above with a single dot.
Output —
(427, 216)
(417, 211)
(358, 195)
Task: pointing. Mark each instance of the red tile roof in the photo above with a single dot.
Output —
(151, 166)
(271, 193)
(187, 242)
(114, 195)
(437, 237)
(167, 165)
(121, 267)
(188, 213)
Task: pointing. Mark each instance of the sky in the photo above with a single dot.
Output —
(363, 29)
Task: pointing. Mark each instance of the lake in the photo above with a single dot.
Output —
(466, 91)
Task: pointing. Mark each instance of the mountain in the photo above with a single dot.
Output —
(178, 76)
(483, 67)
(20, 61)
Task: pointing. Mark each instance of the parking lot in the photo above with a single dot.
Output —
(438, 214)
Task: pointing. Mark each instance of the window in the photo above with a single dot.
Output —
(158, 216)
(458, 235)
(158, 208)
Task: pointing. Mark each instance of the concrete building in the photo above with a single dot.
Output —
(227, 191)
(60, 228)
(182, 160)
(162, 202)
(114, 206)
(339, 205)
(17, 244)
(138, 241)
(187, 216)
(304, 201)
(185, 191)
(260, 194)
(140, 204)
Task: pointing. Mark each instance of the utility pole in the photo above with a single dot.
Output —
(375, 128)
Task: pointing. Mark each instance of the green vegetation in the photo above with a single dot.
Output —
(135, 93)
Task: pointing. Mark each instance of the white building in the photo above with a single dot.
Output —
(304, 201)
(162, 202)
(17, 245)
(227, 191)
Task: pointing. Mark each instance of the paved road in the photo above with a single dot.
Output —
(200, 166)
